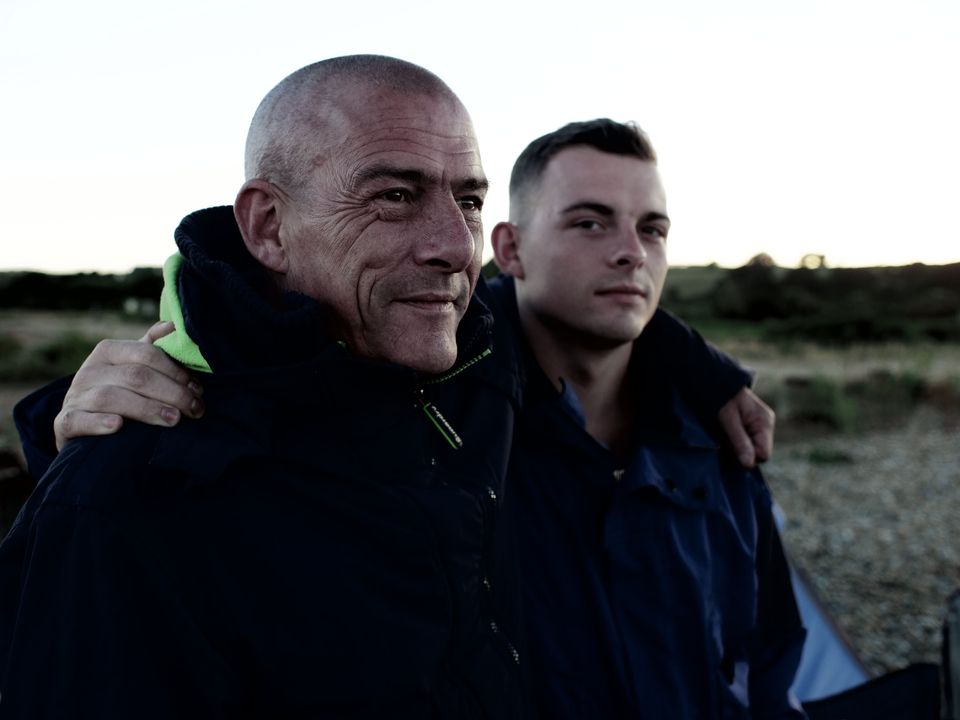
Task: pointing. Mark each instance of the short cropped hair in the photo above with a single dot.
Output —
(602, 134)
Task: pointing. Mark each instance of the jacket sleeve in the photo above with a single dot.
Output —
(34, 416)
(96, 614)
(779, 634)
(706, 377)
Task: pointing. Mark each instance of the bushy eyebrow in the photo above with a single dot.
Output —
(477, 184)
(596, 207)
(377, 172)
(652, 216)
(607, 211)
(414, 176)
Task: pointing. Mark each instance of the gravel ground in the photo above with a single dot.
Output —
(875, 520)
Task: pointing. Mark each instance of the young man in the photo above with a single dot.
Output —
(653, 580)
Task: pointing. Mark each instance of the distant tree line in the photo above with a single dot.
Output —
(830, 305)
(84, 291)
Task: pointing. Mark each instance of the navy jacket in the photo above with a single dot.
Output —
(653, 585)
(313, 547)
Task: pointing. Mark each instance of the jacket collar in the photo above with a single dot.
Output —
(232, 317)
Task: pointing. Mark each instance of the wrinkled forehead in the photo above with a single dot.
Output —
(435, 130)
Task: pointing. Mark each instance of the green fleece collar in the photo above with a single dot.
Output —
(178, 344)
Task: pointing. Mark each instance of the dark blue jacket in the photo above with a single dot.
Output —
(653, 584)
(312, 548)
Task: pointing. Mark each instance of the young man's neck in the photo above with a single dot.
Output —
(598, 375)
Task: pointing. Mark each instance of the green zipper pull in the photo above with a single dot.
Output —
(441, 424)
(436, 417)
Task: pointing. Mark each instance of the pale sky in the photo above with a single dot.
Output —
(785, 127)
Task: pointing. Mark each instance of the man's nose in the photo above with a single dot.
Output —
(629, 250)
(448, 241)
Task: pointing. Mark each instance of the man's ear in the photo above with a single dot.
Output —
(257, 210)
(505, 239)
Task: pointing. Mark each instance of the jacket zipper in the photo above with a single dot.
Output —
(436, 417)
(457, 370)
(441, 424)
(456, 442)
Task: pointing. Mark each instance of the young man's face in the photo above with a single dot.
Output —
(591, 252)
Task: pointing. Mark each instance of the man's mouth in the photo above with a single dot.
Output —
(431, 302)
(625, 291)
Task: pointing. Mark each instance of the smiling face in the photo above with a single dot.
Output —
(591, 250)
(386, 230)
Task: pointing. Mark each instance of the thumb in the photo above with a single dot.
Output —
(762, 440)
(157, 331)
(743, 448)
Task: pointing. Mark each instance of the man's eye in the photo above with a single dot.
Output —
(654, 231)
(471, 203)
(588, 225)
(396, 195)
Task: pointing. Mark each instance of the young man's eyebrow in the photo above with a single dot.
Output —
(607, 211)
(596, 207)
(651, 216)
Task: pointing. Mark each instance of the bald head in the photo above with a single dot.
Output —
(364, 188)
(307, 103)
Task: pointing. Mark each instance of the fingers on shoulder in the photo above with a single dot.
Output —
(145, 397)
(73, 423)
(135, 352)
(144, 369)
